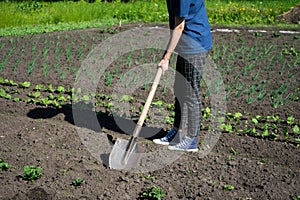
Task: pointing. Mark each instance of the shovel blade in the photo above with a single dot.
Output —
(120, 158)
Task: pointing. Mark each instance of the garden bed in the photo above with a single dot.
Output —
(256, 157)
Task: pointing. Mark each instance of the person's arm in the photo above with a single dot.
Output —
(175, 36)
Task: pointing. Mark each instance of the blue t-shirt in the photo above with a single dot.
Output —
(196, 36)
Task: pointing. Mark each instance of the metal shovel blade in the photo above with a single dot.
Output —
(124, 155)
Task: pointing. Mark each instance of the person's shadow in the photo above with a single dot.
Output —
(82, 115)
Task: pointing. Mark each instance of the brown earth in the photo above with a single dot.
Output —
(32, 134)
(292, 16)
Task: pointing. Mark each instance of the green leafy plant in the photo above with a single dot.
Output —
(4, 165)
(296, 197)
(17, 99)
(60, 89)
(34, 94)
(38, 87)
(126, 98)
(31, 173)
(154, 192)
(4, 94)
(290, 120)
(10, 82)
(226, 127)
(207, 113)
(158, 103)
(296, 129)
(148, 176)
(169, 120)
(170, 106)
(49, 88)
(77, 182)
(25, 84)
(228, 187)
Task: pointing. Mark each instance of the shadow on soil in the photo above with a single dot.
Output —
(82, 115)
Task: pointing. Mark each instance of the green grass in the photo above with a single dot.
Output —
(36, 17)
(243, 12)
(29, 13)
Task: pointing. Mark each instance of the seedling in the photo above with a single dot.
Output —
(38, 87)
(4, 165)
(77, 182)
(229, 158)
(148, 176)
(226, 127)
(154, 192)
(51, 96)
(10, 82)
(254, 121)
(60, 89)
(31, 173)
(228, 187)
(170, 106)
(126, 98)
(25, 84)
(109, 105)
(207, 113)
(141, 108)
(85, 98)
(257, 34)
(296, 129)
(233, 151)
(4, 95)
(276, 34)
(290, 120)
(169, 120)
(296, 197)
(34, 94)
(17, 99)
(265, 133)
(158, 103)
(49, 88)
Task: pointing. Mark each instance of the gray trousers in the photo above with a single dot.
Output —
(189, 70)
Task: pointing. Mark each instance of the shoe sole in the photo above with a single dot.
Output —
(157, 141)
(187, 150)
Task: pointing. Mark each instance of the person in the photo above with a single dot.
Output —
(191, 39)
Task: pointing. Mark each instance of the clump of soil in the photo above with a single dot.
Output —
(292, 16)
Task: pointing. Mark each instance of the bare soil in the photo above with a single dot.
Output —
(31, 134)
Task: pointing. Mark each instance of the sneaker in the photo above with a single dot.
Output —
(173, 136)
(187, 144)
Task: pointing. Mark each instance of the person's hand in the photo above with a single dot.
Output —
(164, 64)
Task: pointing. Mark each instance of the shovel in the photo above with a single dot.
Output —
(125, 154)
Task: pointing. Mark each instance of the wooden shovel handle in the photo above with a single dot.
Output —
(149, 100)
